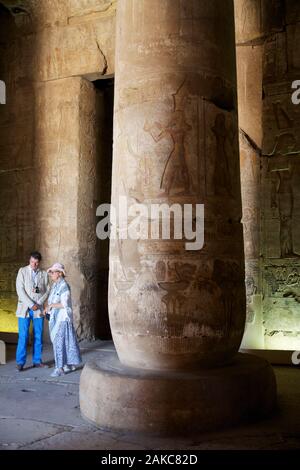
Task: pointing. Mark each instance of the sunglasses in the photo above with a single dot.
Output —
(52, 272)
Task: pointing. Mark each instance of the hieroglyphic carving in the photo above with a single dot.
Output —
(275, 58)
(280, 173)
(160, 270)
(282, 163)
(281, 143)
(281, 279)
(226, 274)
(281, 303)
(166, 152)
(285, 204)
(251, 232)
(177, 277)
(283, 120)
(251, 290)
(166, 132)
(222, 180)
(127, 266)
(220, 151)
(293, 41)
(176, 174)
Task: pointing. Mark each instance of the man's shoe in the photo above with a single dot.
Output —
(40, 364)
(20, 368)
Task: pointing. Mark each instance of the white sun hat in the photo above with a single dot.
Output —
(57, 267)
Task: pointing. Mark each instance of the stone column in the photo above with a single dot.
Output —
(175, 141)
(249, 49)
(47, 142)
(171, 310)
(65, 158)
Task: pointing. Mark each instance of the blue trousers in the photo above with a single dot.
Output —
(24, 325)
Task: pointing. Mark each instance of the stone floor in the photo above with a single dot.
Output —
(40, 412)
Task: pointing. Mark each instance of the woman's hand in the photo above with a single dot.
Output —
(59, 305)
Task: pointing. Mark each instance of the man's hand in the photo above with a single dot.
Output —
(35, 307)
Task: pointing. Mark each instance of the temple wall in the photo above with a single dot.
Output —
(280, 180)
(48, 176)
(249, 50)
(49, 50)
(268, 50)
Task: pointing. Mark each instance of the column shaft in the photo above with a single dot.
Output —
(176, 141)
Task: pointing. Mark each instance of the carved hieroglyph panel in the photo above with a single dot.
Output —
(182, 148)
(281, 121)
(281, 176)
(281, 305)
(175, 140)
(253, 287)
(281, 218)
(221, 152)
(293, 46)
(63, 39)
(162, 146)
(275, 58)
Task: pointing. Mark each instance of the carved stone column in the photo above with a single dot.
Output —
(175, 141)
(175, 311)
(249, 36)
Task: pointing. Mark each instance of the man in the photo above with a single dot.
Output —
(33, 289)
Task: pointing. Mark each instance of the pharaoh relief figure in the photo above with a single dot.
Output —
(224, 135)
(282, 163)
(175, 177)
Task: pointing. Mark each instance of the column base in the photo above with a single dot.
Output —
(117, 397)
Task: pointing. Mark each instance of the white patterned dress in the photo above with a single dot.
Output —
(62, 332)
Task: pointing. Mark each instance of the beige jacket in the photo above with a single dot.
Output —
(25, 290)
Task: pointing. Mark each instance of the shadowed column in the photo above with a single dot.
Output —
(175, 141)
(177, 316)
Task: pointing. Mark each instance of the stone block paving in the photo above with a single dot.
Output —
(41, 412)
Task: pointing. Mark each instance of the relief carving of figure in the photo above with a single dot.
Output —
(174, 278)
(251, 290)
(227, 275)
(221, 178)
(175, 178)
(282, 195)
(285, 206)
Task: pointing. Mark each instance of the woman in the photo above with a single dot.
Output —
(62, 333)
